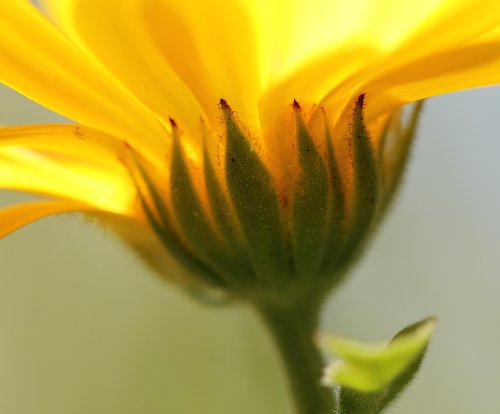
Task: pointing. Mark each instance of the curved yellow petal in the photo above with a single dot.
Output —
(492, 35)
(68, 162)
(457, 50)
(180, 58)
(299, 30)
(18, 215)
(377, 45)
(212, 47)
(39, 62)
(472, 66)
(334, 74)
(120, 38)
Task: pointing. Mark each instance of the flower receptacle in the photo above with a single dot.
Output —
(258, 239)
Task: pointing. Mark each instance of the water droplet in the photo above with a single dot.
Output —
(210, 296)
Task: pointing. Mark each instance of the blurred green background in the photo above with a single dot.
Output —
(86, 328)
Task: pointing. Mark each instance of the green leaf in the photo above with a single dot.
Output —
(405, 377)
(370, 376)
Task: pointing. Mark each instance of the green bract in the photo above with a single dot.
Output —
(259, 239)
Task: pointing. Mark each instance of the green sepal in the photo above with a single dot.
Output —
(369, 377)
(310, 202)
(336, 199)
(226, 223)
(193, 217)
(365, 189)
(256, 202)
(161, 222)
(219, 203)
(395, 149)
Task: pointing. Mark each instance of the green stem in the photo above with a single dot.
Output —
(293, 331)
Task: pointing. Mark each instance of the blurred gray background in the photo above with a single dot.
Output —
(86, 328)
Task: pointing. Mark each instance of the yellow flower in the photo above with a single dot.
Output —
(167, 94)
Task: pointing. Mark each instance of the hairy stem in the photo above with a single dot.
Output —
(292, 331)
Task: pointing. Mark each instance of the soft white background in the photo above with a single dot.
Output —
(85, 328)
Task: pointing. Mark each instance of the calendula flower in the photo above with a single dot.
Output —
(256, 142)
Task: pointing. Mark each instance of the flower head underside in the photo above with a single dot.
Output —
(256, 138)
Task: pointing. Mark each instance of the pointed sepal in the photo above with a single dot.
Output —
(365, 197)
(254, 195)
(310, 201)
(395, 149)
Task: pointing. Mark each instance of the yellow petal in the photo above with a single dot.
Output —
(40, 63)
(458, 49)
(345, 48)
(69, 162)
(171, 54)
(214, 52)
(120, 38)
(301, 30)
(335, 74)
(16, 216)
(470, 67)
(491, 36)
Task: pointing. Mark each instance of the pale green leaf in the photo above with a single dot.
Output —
(371, 368)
